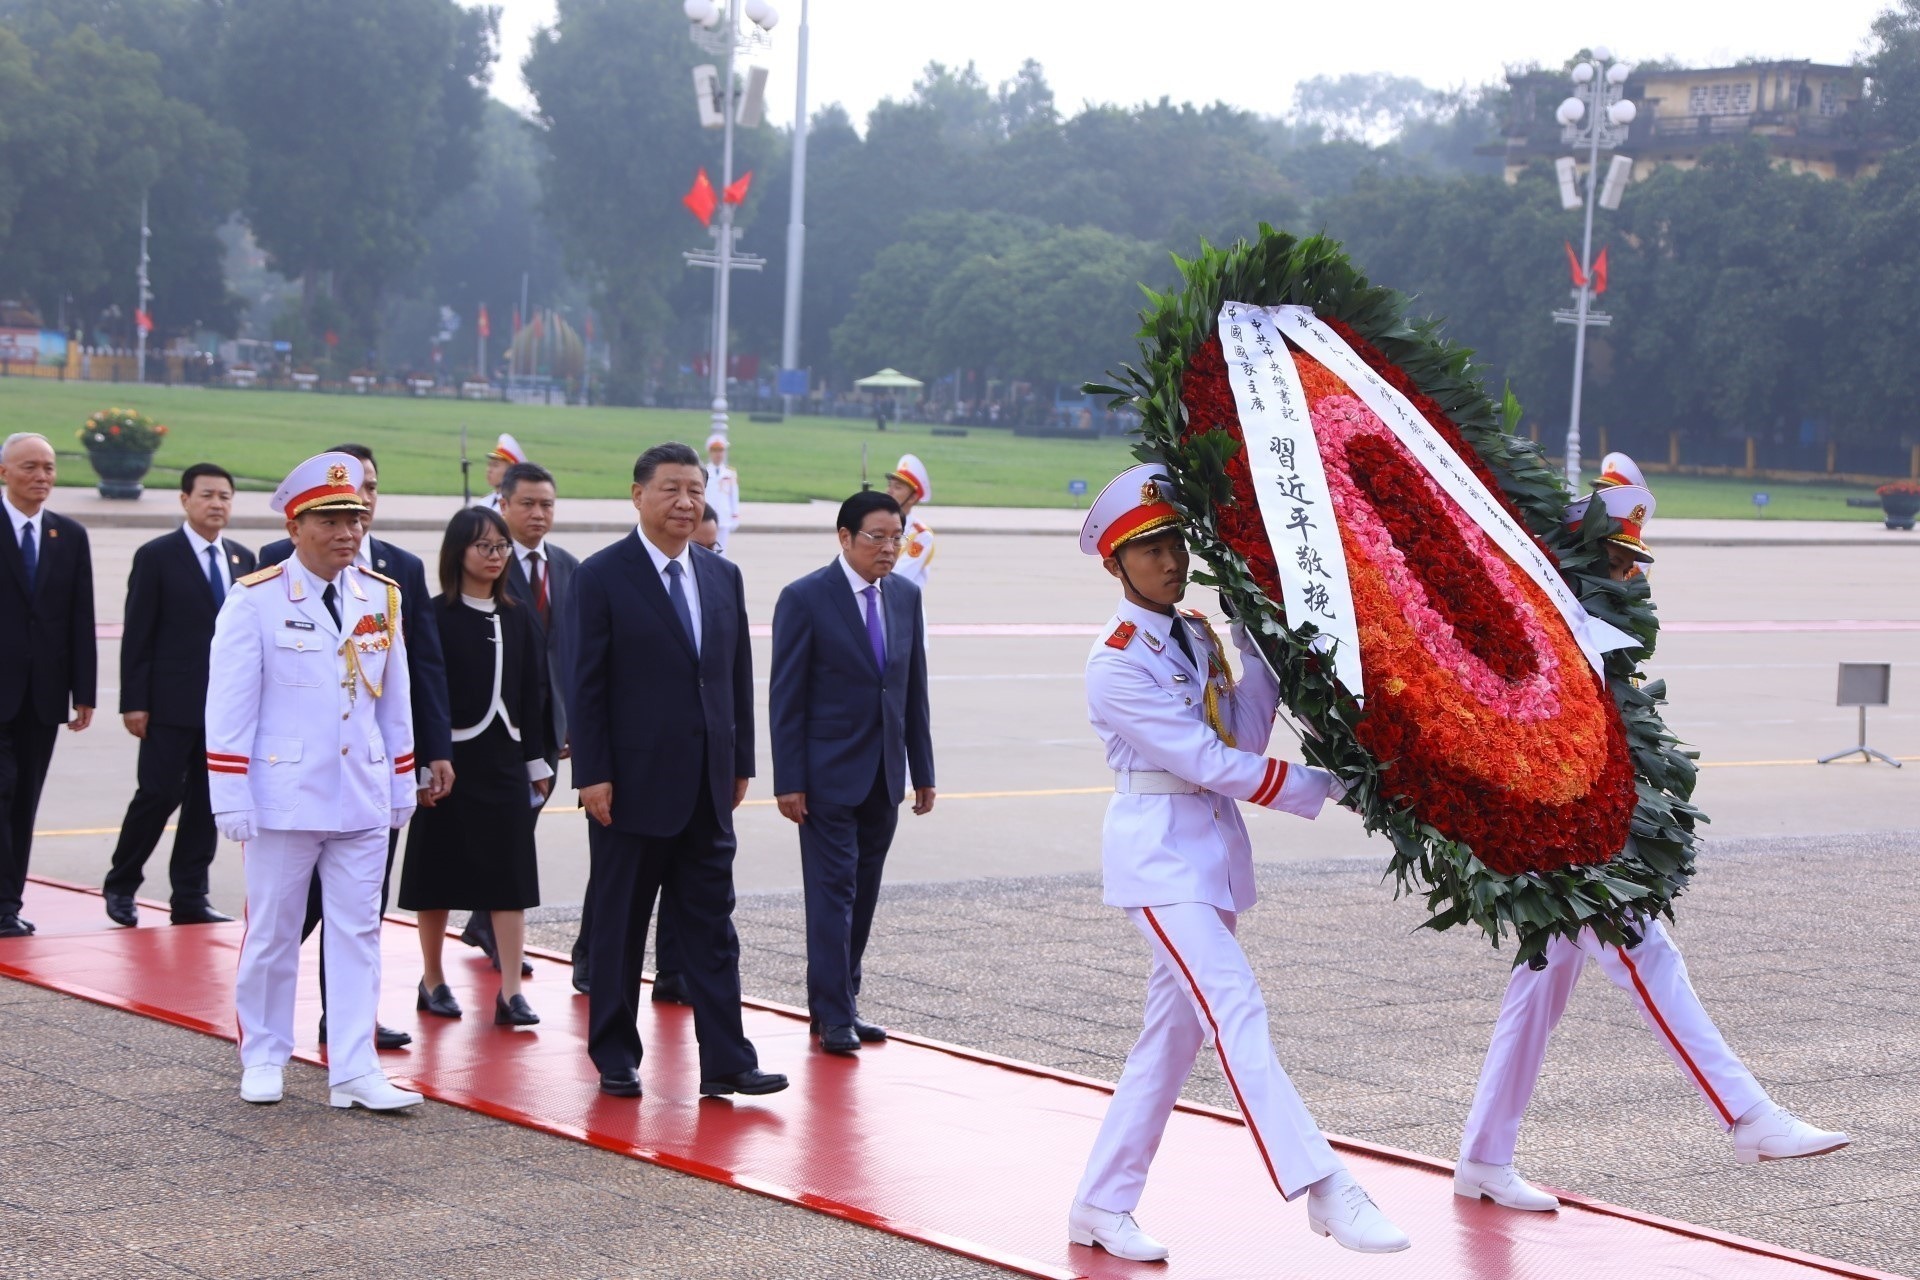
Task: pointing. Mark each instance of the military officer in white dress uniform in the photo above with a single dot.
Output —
(908, 485)
(1651, 972)
(723, 490)
(1186, 743)
(505, 453)
(310, 762)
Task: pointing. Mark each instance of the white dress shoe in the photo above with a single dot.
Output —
(1500, 1184)
(261, 1084)
(1338, 1206)
(1117, 1233)
(374, 1092)
(1778, 1134)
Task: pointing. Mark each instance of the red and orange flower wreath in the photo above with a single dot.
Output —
(1520, 790)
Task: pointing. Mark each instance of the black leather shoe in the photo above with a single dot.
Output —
(513, 1012)
(384, 1037)
(669, 988)
(438, 1001)
(839, 1040)
(621, 1084)
(870, 1032)
(472, 939)
(752, 1080)
(14, 927)
(197, 913)
(123, 910)
(580, 982)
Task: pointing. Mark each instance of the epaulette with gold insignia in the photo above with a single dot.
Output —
(1195, 614)
(259, 576)
(372, 574)
(1122, 636)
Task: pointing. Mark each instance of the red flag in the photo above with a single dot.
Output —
(332, 339)
(1573, 265)
(589, 326)
(143, 321)
(483, 324)
(736, 192)
(699, 199)
(516, 322)
(1600, 273)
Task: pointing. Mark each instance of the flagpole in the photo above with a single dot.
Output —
(726, 229)
(141, 320)
(796, 221)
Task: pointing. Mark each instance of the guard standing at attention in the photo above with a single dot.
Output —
(1185, 742)
(723, 490)
(908, 485)
(505, 453)
(309, 764)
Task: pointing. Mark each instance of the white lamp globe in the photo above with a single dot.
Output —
(713, 15)
(697, 10)
(1572, 111)
(1582, 72)
(1622, 112)
(761, 14)
(1603, 53)
(1618, 72)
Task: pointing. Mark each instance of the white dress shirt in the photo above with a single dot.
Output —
(20, 520)
(200, 546)
(524, 553)
(860, 585)
(688, 583)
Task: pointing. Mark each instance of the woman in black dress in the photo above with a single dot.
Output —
(474, 849)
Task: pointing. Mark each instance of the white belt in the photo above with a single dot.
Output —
(1148, 782)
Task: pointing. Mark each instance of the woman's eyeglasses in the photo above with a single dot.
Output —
(493, 550)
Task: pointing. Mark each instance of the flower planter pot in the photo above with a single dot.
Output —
(120, 473)
(1900, 509)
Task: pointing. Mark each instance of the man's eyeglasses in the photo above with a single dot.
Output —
(877, 540)
(493, 550)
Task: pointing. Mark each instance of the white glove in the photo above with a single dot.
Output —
(1336, 789)
(236, 826)
(401, 817)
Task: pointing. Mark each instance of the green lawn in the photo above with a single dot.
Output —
(259, 434)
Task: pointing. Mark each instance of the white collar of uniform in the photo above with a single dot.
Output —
(303, 582)
(1157, 625)
(199, 543)
(17, 517)
(854, 580)
(661, 559)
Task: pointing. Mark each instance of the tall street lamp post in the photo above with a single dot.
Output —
(1596, 116)
(796, 222)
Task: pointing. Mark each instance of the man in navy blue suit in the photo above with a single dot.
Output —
(848, 712)
(427, 673)
(661, 713)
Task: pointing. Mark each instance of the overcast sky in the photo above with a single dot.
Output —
(1250, 55)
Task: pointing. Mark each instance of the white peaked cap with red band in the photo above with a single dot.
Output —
(717, 442)
(913, 473)
(326, 482)
(508, 450)
(1631, 504)
(1134, 504)
(1618, 468)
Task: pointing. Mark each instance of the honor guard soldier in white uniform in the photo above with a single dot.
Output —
(310, 761)
(723, 490)
(908, 485)
(1185, 743)
(1651, 972)
(505, 453)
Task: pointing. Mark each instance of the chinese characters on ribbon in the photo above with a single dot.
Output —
(1290, 480)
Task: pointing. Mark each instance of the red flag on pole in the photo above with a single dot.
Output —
(1600, 273)
(143, 321)
(700, 200)
(589, 326)
(736, 192)
(516, 322)
(1573, 265)
(332, 339)
(483, 324)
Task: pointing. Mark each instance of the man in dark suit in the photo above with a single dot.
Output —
(848, 714)
(661, 715)
(539, 576)
(178, 583)
(47, 652)
(427, 672)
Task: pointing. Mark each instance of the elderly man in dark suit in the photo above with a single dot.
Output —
(539, 576)
(47, 653)
(427, 672)
(848, 714)
(661, 713)
(178, 583)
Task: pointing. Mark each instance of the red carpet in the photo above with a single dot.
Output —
(967, 1152)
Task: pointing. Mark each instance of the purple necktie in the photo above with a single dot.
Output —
(875, 635)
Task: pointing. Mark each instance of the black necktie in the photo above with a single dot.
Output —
(331, 599)
(29, 554)
(214, 579)
(1181, 638)
(678, 594)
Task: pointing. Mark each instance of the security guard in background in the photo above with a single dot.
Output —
(310, 762)
(908, 485)
(1185, 742)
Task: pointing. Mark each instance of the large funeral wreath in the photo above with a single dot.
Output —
(1520, 791)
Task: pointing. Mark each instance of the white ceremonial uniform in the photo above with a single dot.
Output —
(1655, 977)
(916, 554)
(310, 729)
(723, 495)
(1175, 854)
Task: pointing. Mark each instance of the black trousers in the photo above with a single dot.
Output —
(313, 912)
(26, 749)
(666, 948)
(692, 875)
(843, 848)
(172, 775)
